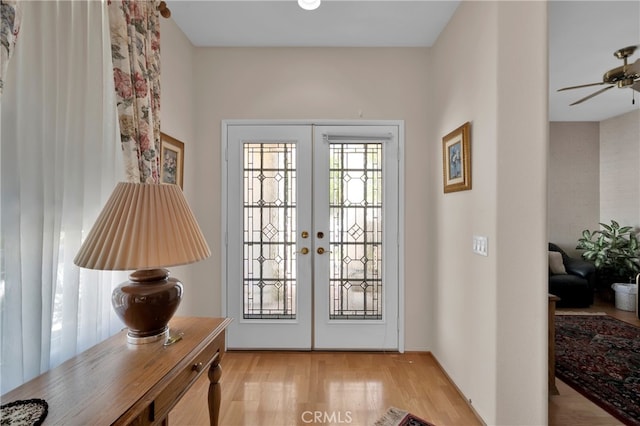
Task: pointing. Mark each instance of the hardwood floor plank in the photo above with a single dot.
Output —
(571, 408)
(276, 388)
(357, 388)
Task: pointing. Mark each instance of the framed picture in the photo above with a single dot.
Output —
(456, 159)
(171, 160)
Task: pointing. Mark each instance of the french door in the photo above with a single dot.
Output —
(312, 236)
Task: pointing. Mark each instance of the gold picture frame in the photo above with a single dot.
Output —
(171, 160)
(456, 159)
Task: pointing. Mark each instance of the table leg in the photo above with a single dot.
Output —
(553, 390)
(215, 372)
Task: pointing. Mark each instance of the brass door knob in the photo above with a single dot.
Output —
(304, 234)
(304, 250)
(320, 250)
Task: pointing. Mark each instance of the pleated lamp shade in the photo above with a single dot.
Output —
(143, 226)
(146, 228)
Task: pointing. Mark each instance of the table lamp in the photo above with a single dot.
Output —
(146, 228)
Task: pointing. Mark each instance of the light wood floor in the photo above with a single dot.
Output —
(352, 388)
(571, 408)
(279, 388)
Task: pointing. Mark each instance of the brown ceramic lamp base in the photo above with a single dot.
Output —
(146, 303)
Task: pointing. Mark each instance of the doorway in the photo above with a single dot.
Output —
(312, 236)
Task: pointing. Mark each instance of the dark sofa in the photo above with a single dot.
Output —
(575, 288)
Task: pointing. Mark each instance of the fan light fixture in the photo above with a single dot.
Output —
(626, 75)
(309, 4)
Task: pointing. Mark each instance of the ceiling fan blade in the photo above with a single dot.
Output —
(591, 95)
(636, 86)
(634, 68)
(582, 85)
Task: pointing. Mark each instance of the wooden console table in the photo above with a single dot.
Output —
(116, 383)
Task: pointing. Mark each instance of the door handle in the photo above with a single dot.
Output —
(304, 250)
(321, 250)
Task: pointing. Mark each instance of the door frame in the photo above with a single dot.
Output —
(320, 122)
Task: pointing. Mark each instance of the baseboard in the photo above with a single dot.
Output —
(455, 386)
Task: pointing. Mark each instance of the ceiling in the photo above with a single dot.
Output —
(582, 37)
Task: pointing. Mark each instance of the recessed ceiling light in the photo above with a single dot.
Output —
(309, 4)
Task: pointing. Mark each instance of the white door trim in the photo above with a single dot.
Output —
(321, 122)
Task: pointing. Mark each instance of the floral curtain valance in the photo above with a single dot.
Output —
(135, 48)
(9, 28)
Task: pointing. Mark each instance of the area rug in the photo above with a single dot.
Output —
(29, 412)
(397, 417)
(599, 356)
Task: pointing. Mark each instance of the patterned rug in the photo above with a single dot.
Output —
(30, 412)
(599, 356)
(397, 417)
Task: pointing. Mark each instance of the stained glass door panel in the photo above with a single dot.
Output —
(355, 231)
(269, 211)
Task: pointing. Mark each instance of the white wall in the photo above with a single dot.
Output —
(522, 139)
(620, 169)
(593, 176)
(574, 182)
(177, 90)
(490, 317)
(314, 83)
(464, 298)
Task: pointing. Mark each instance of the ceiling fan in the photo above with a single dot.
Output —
(627, 75)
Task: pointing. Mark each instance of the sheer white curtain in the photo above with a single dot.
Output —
(60, 160)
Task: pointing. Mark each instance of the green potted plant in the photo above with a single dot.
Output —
(615, 252)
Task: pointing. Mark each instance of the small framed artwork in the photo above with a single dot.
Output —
(171, 160)
(456, 159)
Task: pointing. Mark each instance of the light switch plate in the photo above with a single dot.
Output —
(481, 245)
